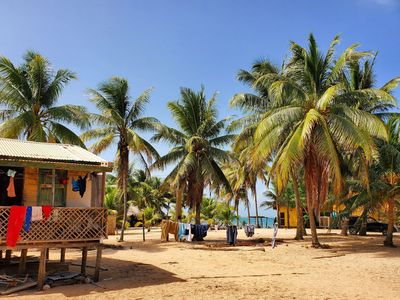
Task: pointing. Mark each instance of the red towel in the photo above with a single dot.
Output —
(15, 222)
(46, 209)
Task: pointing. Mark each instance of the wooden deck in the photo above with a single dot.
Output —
(65, 225)
(65, 228)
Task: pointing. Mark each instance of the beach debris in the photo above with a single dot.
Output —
(14, 284)
(64, 278)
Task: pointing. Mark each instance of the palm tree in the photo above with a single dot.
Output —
(314, 122)
(28, 99)
(119, 121)
(195, 153)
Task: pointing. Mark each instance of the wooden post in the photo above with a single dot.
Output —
(103, 188)
(53, 187)
(143, 231)
(98, 264)
(62, 255)
(42, 268)
(84, 260)
(8, 256)
(48, 253)
(22, 261)
(1, 254)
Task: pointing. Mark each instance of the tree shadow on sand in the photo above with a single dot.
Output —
(117, 275)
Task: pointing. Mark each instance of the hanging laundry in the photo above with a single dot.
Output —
(231, 234)
(188, 232)
(168, 227)
(28, 218)
(15, 223)
(79, 185)
(275, 233)
(46, 209)
(249, 230)
(82, 185)
(199, 231)
(181, 231)
(75, 185)
(37, 214)
(11, 186)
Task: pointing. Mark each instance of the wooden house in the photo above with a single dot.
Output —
(44, 175)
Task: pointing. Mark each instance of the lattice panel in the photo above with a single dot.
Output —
(64, 224)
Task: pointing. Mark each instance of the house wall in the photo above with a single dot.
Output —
(31, 183)
(73, 198)
(292, 216)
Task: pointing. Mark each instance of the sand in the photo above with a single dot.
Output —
(352, 268)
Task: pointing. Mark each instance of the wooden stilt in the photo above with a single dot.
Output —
(84, 260)
(98, 264)
(48, 253)
(42, 268)
(8, 256)
(62, 255)
(1, 254)
(22, 261)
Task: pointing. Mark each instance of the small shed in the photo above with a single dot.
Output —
(46, 174)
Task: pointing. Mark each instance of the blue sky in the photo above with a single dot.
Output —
(169, 44)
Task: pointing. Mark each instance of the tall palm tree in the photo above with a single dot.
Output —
(317, 123)
(195, 152)
(28, 102)
(119, 121)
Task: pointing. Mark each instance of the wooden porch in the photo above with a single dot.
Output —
(65, 228)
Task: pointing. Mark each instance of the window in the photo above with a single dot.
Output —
(45, 191)
(282, 219)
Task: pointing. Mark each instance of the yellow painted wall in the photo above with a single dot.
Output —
(292, 216)
(73, 198)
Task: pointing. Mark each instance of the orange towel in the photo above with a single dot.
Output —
(11, 188)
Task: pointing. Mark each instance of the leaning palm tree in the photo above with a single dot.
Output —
(196, 152)
(119, 121)
(316, 122)
(28, 102)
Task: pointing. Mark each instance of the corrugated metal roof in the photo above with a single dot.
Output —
(25, 150)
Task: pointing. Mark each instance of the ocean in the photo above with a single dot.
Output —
(263, 224)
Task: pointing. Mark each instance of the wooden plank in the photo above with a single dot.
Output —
(42, 268)
(8, 256)
(22, 261)
(98, 264)
(84, 260)
(62, 255)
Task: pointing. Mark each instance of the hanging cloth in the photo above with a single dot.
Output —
(75, 185)
(37, 214)
(11, 186)
(28, 218)
(82, 185)
(15, 222)
(46, 209)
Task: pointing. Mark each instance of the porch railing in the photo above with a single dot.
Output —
(65, 224)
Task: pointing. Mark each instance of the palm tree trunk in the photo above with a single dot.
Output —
(311, 179)
(388, 242)
(248, 211)
(237, 214)
(124, 166)
(254, 189)
(345, 227)
(299, 210)
(288, 215)
(178, 206)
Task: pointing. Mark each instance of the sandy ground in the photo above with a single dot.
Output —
(351, 268)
